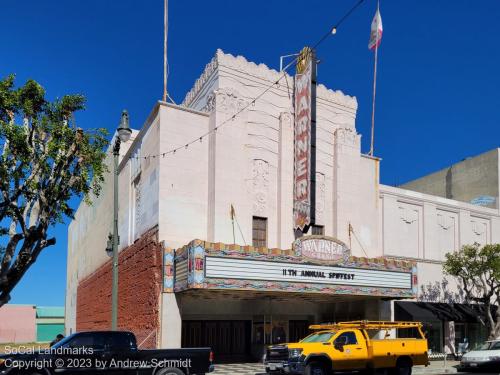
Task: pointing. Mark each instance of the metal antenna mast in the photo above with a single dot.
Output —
(165, 32)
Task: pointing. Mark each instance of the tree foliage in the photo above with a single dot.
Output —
(45, 160)
(478, 270)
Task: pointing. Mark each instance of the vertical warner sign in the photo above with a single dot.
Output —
(304, 140)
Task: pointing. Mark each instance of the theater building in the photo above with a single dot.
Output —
(208, 250)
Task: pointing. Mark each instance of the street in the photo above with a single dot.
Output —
(435, 368)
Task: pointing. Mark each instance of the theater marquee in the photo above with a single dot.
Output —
(317, 264)
(279, 271)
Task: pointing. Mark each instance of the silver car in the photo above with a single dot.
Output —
(485, 358)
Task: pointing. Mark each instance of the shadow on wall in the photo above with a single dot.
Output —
(449, 183)
(439, 291)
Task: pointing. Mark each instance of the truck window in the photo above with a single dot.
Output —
(86, 340)
(408, 333)
(319, 337)
(350, 338)
(119, 341)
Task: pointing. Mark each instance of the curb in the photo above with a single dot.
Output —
(429, 371)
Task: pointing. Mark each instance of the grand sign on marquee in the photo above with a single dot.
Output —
(321, 248)
(304, 140)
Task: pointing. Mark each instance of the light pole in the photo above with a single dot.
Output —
(122, 136)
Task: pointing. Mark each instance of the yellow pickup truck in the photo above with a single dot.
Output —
(351, 346)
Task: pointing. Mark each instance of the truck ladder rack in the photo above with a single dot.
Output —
(367, 324)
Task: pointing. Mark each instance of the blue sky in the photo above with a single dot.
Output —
(437, 76)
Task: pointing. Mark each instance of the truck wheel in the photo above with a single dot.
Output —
(403, 367)
(169, 371)
(315, 368)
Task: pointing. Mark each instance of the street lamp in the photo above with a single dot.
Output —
(124, 133)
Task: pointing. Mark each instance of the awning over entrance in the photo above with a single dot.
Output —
(430, 311)
(315, 264)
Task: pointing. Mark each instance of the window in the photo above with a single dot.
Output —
(259, 231)
(120, 341)
(84, 340)
(135, 209)
(350, 338)
(319, 337)
(318, 230)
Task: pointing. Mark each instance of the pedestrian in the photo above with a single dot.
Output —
(58, 338)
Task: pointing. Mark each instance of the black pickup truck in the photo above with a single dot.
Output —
(105, 352)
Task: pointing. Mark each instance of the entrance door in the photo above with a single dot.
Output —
(229, 339)
(298, 329)
(192, 335)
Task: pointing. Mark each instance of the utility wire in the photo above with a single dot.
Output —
(331, 31)
(334, 28)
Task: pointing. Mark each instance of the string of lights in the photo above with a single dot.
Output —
(332, 31)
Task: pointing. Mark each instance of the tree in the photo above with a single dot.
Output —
(45, 160)
(478, 270)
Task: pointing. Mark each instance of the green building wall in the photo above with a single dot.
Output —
(49, 323)
(48, 331)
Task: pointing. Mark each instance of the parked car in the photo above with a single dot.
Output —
(348, 346)
(485, 358)
(106, 352)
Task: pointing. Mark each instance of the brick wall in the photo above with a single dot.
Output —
(139, 290)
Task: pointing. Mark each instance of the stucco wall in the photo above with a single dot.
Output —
(425, 227)
(139, 291)
(422, 226)
(17, 324)
(183, 176)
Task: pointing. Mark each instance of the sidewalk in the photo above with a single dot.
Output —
(437, 367)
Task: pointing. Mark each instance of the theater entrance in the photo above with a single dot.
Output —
(238, 326)
(229, 339)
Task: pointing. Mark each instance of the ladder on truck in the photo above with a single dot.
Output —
(368, 325)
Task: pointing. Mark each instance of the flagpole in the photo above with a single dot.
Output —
(165, 31)
(233, 213)
(374, 87)
(234, 237)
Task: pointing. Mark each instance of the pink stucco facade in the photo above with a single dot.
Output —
(17, 324)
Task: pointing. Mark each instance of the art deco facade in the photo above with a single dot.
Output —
(189, 277)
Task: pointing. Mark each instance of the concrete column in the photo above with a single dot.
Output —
(495, 229)
(386, 313)
(285, 182)
(171, 322)
(386, 310)
(389, 215)
(212, 139)
(449, 337)
(229, 153)
(430, 232)
(464, 228)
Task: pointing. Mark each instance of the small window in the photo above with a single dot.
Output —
(350, 338)
(119, 341)
(259, 231)
(318, 230)
(87, 340)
